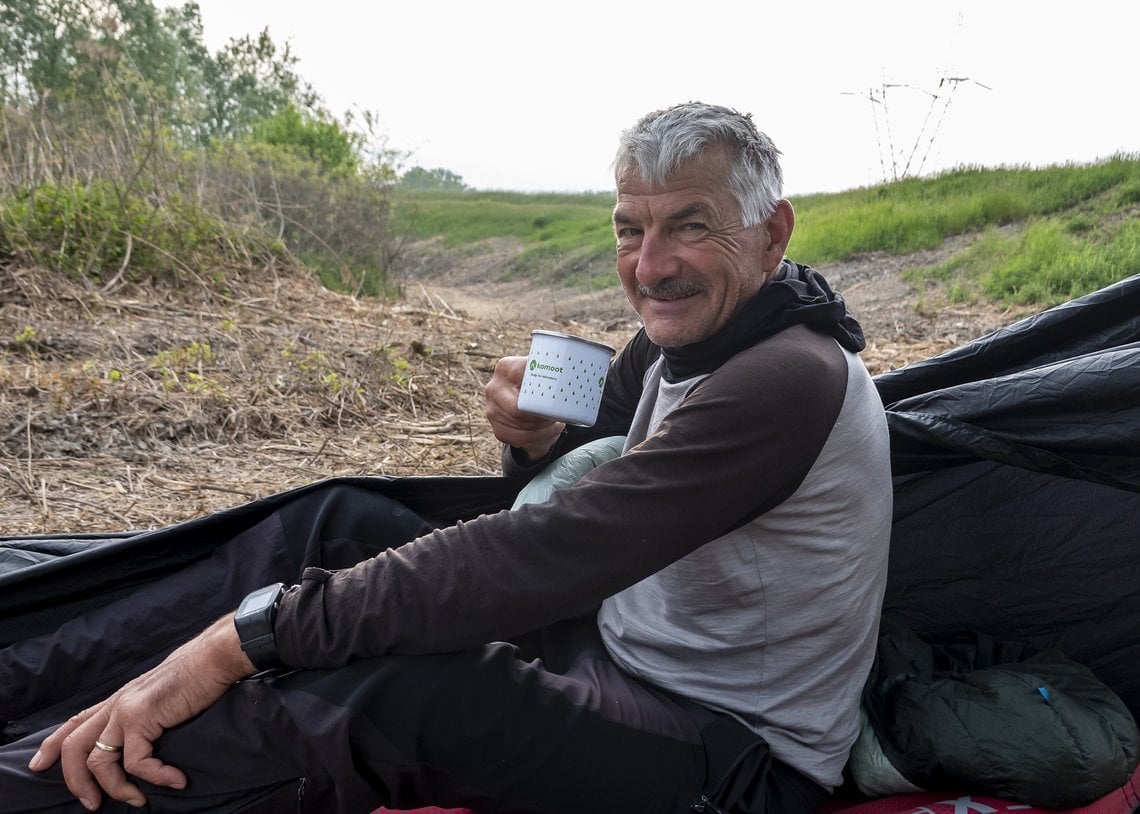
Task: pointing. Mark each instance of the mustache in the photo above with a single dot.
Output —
(670, 289)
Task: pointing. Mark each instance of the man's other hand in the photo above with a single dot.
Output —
(102, 747)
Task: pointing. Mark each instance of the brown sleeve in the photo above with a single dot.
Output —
(740, 443)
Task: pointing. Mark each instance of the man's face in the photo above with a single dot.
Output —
(686, 262)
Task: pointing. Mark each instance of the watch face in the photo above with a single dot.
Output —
(254, 624)
(262, 597)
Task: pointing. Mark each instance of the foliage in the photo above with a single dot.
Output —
(314, 137)
(335, 222)
(97, 231)
(55, 54)
(184, 369)
(438, 178)
(131, 153)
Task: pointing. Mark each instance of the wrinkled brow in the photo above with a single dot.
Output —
(697, 210)
(692, 210)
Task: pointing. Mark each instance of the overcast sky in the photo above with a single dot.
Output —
(532, 95)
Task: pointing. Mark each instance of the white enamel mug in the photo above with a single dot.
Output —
(564, 377)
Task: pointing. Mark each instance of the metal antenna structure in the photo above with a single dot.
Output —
(939, 102)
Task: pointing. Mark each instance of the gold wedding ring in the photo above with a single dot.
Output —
(107, 748)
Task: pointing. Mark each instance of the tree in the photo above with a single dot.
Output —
(314, 136)
(55, 53)
(250, 80)
(438, 178)
(128, 149)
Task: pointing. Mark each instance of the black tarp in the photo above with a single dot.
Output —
(1017, 499)
(1017, 486)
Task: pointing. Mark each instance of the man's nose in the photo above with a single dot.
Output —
(656, 261)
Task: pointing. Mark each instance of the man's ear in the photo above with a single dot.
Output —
(779, 229)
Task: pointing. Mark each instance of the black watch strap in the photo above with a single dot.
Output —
(254, 622)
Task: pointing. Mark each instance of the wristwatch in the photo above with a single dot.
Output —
(254, 622)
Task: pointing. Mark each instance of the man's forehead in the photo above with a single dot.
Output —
(682, 194)
(667, 206)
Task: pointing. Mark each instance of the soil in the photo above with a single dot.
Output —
(138, 407)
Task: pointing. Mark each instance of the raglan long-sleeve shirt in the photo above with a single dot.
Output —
(754, 410)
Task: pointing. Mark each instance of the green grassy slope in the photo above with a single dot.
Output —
(1043, 235)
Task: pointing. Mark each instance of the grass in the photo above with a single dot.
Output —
(919, 214)
(1044, 262)
(1046, 234)
(567, 237)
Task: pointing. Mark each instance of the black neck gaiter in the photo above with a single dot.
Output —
(797, 294)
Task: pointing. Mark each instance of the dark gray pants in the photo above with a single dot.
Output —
(547, 724)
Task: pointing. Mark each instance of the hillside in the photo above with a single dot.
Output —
(141, 408)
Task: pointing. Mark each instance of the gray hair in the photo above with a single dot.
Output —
(663, 140)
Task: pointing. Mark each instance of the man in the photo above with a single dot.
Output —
(704, 605)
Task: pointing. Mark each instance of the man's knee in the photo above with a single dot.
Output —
(339, 524)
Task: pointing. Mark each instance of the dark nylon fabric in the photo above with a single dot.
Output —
(1052, 393)
(46, 580)
(1017, 486)
(404, 731)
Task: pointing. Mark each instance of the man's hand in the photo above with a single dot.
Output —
(532, 434)
(124, 727)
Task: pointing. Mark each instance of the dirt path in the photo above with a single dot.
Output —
(138, 408)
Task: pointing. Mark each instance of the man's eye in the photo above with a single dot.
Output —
(694, 226)
(628, 231)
